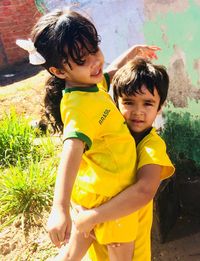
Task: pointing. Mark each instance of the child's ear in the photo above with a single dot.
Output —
(60, 73)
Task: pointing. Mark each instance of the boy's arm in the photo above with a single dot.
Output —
(144, 51)
(126, 202)
(59, 223)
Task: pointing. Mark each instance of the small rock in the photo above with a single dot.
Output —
(17, 223)
(5, 249)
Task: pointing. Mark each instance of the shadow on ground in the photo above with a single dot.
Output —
(18, 72)
(182, 242)
(186, 225)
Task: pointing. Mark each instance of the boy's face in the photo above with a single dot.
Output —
(139, 110)
(90, 72)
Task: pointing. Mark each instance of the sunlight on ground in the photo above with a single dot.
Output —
(36, 81)
(25, 96)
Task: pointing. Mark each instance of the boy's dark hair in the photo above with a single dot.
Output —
(60, 36)
(131, 77)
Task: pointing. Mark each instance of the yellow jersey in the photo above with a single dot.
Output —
(150, 150)
(109, 160)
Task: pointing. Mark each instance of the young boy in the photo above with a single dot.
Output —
(140, 89)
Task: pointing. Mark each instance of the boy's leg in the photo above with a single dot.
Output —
(76, 248)
(125, 251)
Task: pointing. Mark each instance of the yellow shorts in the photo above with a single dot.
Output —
(120, 230)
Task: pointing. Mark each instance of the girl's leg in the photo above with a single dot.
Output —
(76, 248)
(123, 251)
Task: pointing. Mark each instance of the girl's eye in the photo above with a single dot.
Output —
(83, 57)
(82, 62)
(95, 50)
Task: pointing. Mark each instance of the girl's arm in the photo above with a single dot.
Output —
(59, 223)
(126, 202)
(144, 51)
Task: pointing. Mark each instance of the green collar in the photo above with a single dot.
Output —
(93, 88)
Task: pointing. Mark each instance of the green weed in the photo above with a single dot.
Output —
(20, 142)
(16, 139)
(26, 192)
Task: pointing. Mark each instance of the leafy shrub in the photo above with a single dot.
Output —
(181, 133)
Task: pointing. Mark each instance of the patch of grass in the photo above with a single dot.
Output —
(28, 164)
(48, 146)
(16, 139)
(20, 142)
(26, 192)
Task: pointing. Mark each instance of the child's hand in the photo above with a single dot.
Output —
(146, 51)
(59, 226)
(84, 223)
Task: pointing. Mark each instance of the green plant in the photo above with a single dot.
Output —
(16, 139)
(47, 146)
(26, 192)
(181, 133)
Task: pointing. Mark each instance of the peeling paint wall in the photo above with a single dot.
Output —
(173, 25)
(177, 27)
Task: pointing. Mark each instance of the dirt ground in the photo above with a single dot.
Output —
(182, 242)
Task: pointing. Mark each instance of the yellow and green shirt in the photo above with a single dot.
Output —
(109, 160)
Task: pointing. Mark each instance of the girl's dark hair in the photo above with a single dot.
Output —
(61, 36)
(129, 79)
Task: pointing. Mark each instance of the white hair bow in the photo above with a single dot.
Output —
(34, 57)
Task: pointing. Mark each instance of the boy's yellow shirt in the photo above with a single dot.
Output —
(150, 150)
(108, 163)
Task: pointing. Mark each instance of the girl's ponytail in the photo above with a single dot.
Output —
(52, 99)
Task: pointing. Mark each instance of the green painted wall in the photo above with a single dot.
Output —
(180, 29)
(175, 27)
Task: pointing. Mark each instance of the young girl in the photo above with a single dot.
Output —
(95, 136)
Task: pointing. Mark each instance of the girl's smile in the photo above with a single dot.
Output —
(96, 73)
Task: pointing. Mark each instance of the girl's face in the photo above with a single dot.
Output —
(139, 110)
(91, 72)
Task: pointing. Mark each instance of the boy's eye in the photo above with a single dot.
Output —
(127, 103)
(148, 104)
